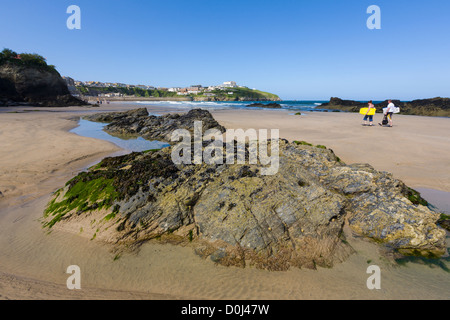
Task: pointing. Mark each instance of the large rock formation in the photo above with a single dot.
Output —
(21, 84)
(237, 216)
(426, 107)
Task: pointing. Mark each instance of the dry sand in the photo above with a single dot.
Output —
(38, 155)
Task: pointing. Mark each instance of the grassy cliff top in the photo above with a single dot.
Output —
(34, 60)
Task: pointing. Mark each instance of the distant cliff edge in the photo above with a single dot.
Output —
(26, 79)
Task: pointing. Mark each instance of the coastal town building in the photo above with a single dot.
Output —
(230, 84)
(183, 92)
(194, 90)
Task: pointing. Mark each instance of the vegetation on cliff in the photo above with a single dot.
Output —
(7, 56)
(238, 94)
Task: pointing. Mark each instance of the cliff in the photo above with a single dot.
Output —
(439, 107)
(29, 82)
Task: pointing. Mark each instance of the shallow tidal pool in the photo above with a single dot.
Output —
(92, 129)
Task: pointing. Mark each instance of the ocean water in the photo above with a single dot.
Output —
(292, 105)
(95, 130)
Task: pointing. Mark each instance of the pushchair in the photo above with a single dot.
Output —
(385, 121)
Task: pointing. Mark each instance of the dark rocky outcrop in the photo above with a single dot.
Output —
(264, 105)
(21, 85)
(426, 107)
(236, 216)
(138, 122)
(343, 105)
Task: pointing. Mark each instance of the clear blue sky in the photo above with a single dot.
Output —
(297, 49)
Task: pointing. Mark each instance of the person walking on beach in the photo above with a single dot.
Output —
(367, 117)
(389, 112)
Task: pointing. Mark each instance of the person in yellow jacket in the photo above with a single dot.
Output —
(367, 117)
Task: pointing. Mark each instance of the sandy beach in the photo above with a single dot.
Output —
(39, 155)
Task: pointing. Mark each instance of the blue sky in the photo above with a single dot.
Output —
(297, 49)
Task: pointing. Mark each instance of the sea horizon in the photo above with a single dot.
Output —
(294, 105)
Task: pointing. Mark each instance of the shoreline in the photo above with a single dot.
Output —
(161, 271)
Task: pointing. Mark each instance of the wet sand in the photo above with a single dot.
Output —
(39, 155)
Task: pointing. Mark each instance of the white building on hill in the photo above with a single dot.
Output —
(230, 84)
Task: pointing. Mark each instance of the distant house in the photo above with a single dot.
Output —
(194, 90)
(230, 84)
(110, 95)
(183, 92)
(209, 94)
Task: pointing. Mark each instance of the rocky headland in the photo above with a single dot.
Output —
(233, 214)
(439, 107)
(27, 80)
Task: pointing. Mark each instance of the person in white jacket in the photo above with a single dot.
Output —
(390, 111)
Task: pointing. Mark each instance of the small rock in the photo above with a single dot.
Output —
(445, 224)
(218, 255)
